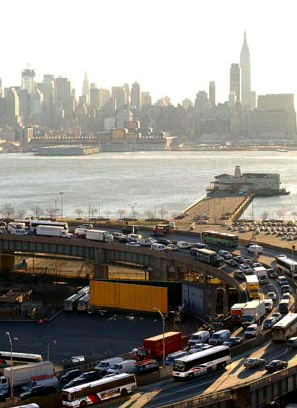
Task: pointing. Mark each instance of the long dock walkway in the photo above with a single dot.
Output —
(217, 207)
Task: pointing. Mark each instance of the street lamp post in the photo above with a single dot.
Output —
(132, 209)
(11, 365)
(163, 324)
(61, 194)
(48, 348)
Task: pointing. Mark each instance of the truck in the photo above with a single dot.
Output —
(153, 347)
(130, 229)
(253, 312)
(163, 229)
(80, 232)
(99, 235)
(252, 286)
(52, 231)
(222, 322)
(237, 311)
(261, 273)
(27, 373)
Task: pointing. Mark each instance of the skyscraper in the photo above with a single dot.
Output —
(135, 96)
(245, 66)
(28, 82)
(212, 94)
(234, 83)
(86, 88)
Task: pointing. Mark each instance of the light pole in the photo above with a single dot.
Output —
(48, 348)
(163, 324)
(11, 366)
(61, 194)
(132, 209)
(55, 201)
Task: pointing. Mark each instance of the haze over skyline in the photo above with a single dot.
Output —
(171, 48)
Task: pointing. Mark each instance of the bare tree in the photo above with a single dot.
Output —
(121, 212)
(79, 212)
(280, 213)
(37, 211)
(7, 210)
(51, 212)
(107, 213)
(20, 213)
(265, 215)
(163, 211)
(93, 211)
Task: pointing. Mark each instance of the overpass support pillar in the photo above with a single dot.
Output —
(100, 270)
(159, 270)
(225, 299)
(241, 397)
(7, 262)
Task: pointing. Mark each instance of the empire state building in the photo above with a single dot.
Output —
(245, 66)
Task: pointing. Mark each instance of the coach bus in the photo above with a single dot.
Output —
(206, 255)
(287, 266)
(33, 405)
(220, 239)
(34, 224)
(285, 328)
(100, 390)
(204, 361)
(19, 358)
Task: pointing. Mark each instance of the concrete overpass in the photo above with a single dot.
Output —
(162, 266)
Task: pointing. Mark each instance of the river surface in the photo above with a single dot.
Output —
(145, 181)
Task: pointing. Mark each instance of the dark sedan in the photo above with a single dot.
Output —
(276, 365)
(70, 375)
(232, 342)
(253, 362)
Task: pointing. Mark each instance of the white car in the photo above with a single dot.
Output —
(286, 296)
(183, 245)
(132, 243)
(255, 249)
(271, 295)
(118, 235)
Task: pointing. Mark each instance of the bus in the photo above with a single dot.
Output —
(287, 266)
(204, 361)
(35, 223)
(70, 304)
(285, 328)
(82, 304)
(33, 405)
(100, 390)
(206, 255)
(19, 358)
(220, 238)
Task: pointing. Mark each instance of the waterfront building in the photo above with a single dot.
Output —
(212, 94)
(28, 82)
(245, 66)
(250, 183)
(12, 108)
(135, 96)
(63, 94)
(234, 83)
(86, 89)
(146, 99)
(118, 93)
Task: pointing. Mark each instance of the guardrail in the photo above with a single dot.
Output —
(202, 400)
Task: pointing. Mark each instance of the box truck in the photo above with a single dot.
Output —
(98, 235)
(52, 231)
(252, 286)
(253, 312)
(237, 311)
(153, 347)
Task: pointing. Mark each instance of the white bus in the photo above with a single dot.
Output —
(82, 304)
(287, 266)
(33, 405)
(19, 358)
(190, 366)
(100, 390)
(35, 223)
(70, 304)
(285, 328)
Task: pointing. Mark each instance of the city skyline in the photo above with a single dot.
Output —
(163, 47)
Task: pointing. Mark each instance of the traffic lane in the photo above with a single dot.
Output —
(80, 334)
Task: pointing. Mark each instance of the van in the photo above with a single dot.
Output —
(292, 342)
(268, 304)
(251, 331)
(104, 365)
(158, 247)
(173, 356)
(199, 337)
(219, 337)
(119, 368)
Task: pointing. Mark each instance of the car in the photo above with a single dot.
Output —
(239, 275)
(232, 342)
(145, 367)
(256, 265)
(286, 289)
(37, 391)
(277, 316)
(225, 254)
(199, 347)
(172, 247)
(271, 295)
(90, 376)
(232, 262)
(124, 240)
(132, 243)
(239, 259)
(253, 362)
(199, 245)
(268, 323)
(286, 296)
(118, 235)
(164, 241)
(276, 365)
(74, 383)
(246, 268)
(70, 375)
(272, 274)
(183, 245)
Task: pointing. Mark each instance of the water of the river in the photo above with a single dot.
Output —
(150, 180)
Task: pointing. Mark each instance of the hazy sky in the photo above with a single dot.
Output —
(170, 47)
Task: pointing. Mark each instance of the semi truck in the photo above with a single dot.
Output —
(52, 231)
(153, 347)
(80, 232)
(27, 373)
(261, 273)
(98, 235)
(237, 311)
(253, 312)
(252, 286)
